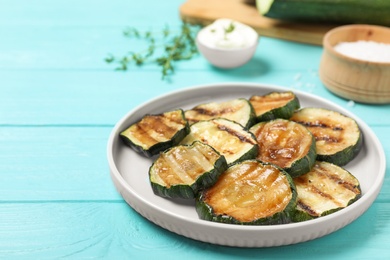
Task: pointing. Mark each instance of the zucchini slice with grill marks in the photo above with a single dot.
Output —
(229, 138)
(327, 188)
(249, 193)
(287, 144)
(238, 110)
(156, 133)
(338, 137)
(181, 171)
(274, 105)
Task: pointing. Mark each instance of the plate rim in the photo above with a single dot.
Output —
(140, 203)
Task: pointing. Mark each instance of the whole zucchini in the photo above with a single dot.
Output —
(328, 11)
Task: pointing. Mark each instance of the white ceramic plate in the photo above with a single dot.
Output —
(129, 172)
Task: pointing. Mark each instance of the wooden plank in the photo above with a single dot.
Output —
(106, 96)
(88, 13)
(107, 230)
(205, 11)
(55, 163)
(44, 43)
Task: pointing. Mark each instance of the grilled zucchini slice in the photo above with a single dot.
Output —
(327, 188)
(229, 138)
(156, 133)
(249, 193)
(181, 171)
(274, 105)
(287, 144)
(238, 110)
(338, 137)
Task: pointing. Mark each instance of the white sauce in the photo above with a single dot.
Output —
(227, 34)
(365, 50)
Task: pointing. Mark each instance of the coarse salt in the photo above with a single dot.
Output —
(365, 50)
(351, 103)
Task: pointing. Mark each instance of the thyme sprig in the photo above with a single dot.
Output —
(164, 49)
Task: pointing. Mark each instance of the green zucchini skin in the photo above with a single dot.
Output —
(284, 216)
(155, 122)
(183, 190)
(342, 158)
(305, 164)
(206, 212)
(283, 111)
(326, 189)
(328, 11)
(265, 133)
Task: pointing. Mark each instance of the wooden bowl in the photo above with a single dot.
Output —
(351, 78)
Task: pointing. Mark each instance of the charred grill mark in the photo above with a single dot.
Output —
(320, 125)
(309, 185)
(327, 139)
(204, 140)
(212, 113)
(348, 185)
(307, 208)
(141, 133)
(176, 119)
(321, 193)
(159, 125)
(242, 138)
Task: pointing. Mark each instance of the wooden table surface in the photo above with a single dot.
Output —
(59, 101)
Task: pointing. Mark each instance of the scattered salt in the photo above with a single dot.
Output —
(299, 84)
(351, 103)
(365, 50)
(297, 76)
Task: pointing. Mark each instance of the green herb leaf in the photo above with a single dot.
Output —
(230, 28)
(174, 47)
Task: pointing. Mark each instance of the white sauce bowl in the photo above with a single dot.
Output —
(227, 49)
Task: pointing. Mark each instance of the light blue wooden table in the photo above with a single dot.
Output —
(59, 101)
